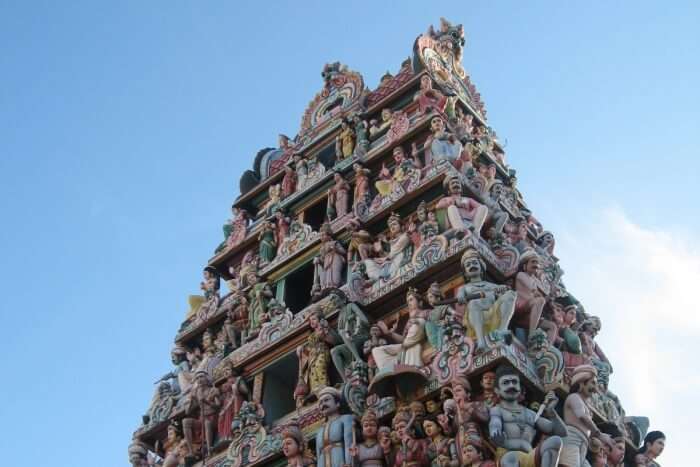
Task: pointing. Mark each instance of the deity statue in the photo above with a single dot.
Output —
(172, 449)
(441, 145)
(545, 242)
(338, 197)
(653, 446)
(473, 453)
(440, 450)
(369, 453)
(464, 214)
(488, 384)
(274, 199)
(180, 379)
(441, 317)
(353, 329)
(289, 181)
(512, 426)
(208, 400)
(236, 229)
(294, 447)
(406, 174)
(139, 455)
(497, 217)
(345, 141)
(302, 171)
(210, 286)
(410, 451)
(588, 331)
(409, 346)
(577, 416)
(361, 194)
(314, 357)
(361, 135)
(259, 297)
(377, 129)
(428, 98)
(462, 412)
(387, 265)
(268, 242)
(361, 244)
(234, 392)
(282, 223)
(489, 307)
(336, 435)
(375, 340)
(330, 262)
(530, 301)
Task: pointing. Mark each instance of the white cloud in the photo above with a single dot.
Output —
(643, 283)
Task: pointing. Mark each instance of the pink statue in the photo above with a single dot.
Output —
(282, 223)
(361, 194)
(239, 226)
(330, 262)
(338, 197)
(369, 453)
(289, 182)
(462, 412)
(234, 391)
(428, 98)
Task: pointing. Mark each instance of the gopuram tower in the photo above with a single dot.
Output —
(389, 300)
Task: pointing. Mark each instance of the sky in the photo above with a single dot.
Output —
(124, 128)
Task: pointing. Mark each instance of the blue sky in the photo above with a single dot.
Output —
(124, 127)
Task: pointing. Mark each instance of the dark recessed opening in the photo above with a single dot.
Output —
(315, 215)
(278, 388)
(297, 287)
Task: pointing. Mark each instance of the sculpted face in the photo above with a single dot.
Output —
(657, 447)
(431, 428)
(386, 115)
(455, 186)
(328, 405)
(470, 454)
(314, 321)
(398, 154)
(394, 227)
(472, 267)
(533, 266)
(412, 302)
(290, 448)
(460, 393)
(402, 430)
(426, 83)
(431, 406)
(589, 387)
(487, 380)
(570, 315)
(369, 429)
(437, 125)
(508, 388)
(375, 332)
(383, 433)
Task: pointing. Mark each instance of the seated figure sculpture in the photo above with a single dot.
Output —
(530, 302)
(387, 264)
(408, 347)
(442, 145)
(513, 427)
(406, 173)
(428, 98)
(489, 306)
(463, 214)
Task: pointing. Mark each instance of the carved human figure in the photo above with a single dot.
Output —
(259, 297)
(361, 194)
(653, 446)
(441, 317)
(236, 229)
(473, 454)
(376, 129)
(463, 412)
(335, 437)
(441, 145)
(408, 347)
(545, 241)
(464, 214)
(171, 449)
(410, 451)
(274, 199)
(552, 320)
(361, 135)
(267, 242)
(208, 400)
(139, 455)
(488, 393)
(338, 197)
(512, 426)
(302, 171)
(489, 306)
(530, 301)
(571, 342)
(330, 262)
(289, 181)
(578, 418)
(497, 217)
(369, 452)
(210, 285)
(234, 392)
(314, 357)
(375, 340)
(387, 265)
(440, 450)
(361, 245)
(294, 447)
(406, 171)
(345, 141)
(428, 98)
(353, 329)
(180, 379)
(589, 330)
(282, 223)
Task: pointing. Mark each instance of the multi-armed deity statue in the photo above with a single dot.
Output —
(392, 301)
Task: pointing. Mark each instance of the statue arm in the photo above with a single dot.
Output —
(578, 407)
(554, 426)
(496, 427)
